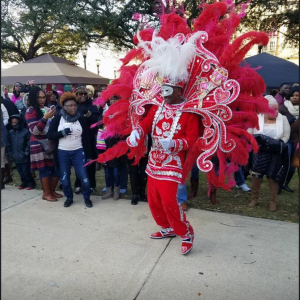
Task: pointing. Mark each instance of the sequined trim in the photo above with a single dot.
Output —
(165, 173)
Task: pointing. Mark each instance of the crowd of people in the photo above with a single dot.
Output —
(47, 133)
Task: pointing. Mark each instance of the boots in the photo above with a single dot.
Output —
(116, 193)
(134, 199)
(256, 183)
(273, 192)
(7, 175)
(47, 195)
(213, 196)
(194, 188)
(2, 178)
(108, 193)
(53, 185)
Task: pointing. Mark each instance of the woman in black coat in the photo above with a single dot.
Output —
(71, 133)
(91, 114)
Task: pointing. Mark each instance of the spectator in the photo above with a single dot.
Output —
(194, 182)
(21, 105)
(272, 159)
(295, 139)
(16, 92)
(3, 144)
(91, 91)
(290, 109)
(182, 196)
(284, 90)
(38, 118)
(18, 150)
(11, 109)
(138, 180)
(71, 133)
(112, 167)
(240, 180)
(90, 112)
(5, 91)
(4, 114)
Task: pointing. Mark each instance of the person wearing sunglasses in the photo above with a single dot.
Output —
(16, 92)
(90, 113)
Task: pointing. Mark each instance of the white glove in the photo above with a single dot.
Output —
(134, 136)
(167, 143)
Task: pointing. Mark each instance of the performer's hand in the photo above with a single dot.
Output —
(134, 136)
(167, 143)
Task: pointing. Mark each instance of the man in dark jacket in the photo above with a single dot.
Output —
(12, 110)
(3, 145)
(18, 150)
(91, 114)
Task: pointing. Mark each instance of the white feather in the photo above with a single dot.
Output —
(169, 58)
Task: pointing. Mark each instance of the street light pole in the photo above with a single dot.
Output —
(98, 64)
(84, 54)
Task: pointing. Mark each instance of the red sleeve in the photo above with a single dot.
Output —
(36, 126)
(145, 125)
(191, 134)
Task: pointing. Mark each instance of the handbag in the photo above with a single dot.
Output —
(47, 145)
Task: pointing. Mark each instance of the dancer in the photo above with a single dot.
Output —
(191, 93)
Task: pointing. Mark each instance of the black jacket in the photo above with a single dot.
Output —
(272, 159)
(92, 119)
(284, 111)
(11, 109)
(18, 142)
(55, 135)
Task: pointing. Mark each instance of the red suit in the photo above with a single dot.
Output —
(165, 167)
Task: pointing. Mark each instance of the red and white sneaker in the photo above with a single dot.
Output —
(187, 244)
(164, 233)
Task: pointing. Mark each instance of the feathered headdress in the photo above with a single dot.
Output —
(227, 96)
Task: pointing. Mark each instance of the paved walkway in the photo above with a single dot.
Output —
(54, 253)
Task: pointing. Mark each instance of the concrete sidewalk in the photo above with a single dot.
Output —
(54, 253)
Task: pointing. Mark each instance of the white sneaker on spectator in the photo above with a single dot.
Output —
(244, 187)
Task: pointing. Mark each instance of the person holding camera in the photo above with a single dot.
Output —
(70, 132)
(38, 118)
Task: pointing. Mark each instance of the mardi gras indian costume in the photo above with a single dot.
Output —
(218, 100)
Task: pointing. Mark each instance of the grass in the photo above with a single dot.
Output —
(234, 202)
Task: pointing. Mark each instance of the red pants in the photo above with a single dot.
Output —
(162, 199)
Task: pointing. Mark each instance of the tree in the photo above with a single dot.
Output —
(272, 16)
(33, 27)
(109, 22)
(262, 15)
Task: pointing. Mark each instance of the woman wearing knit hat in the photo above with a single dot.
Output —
(290, 109)
(272, 159)
(71, 133)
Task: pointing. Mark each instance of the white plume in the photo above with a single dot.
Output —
(169, 58)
